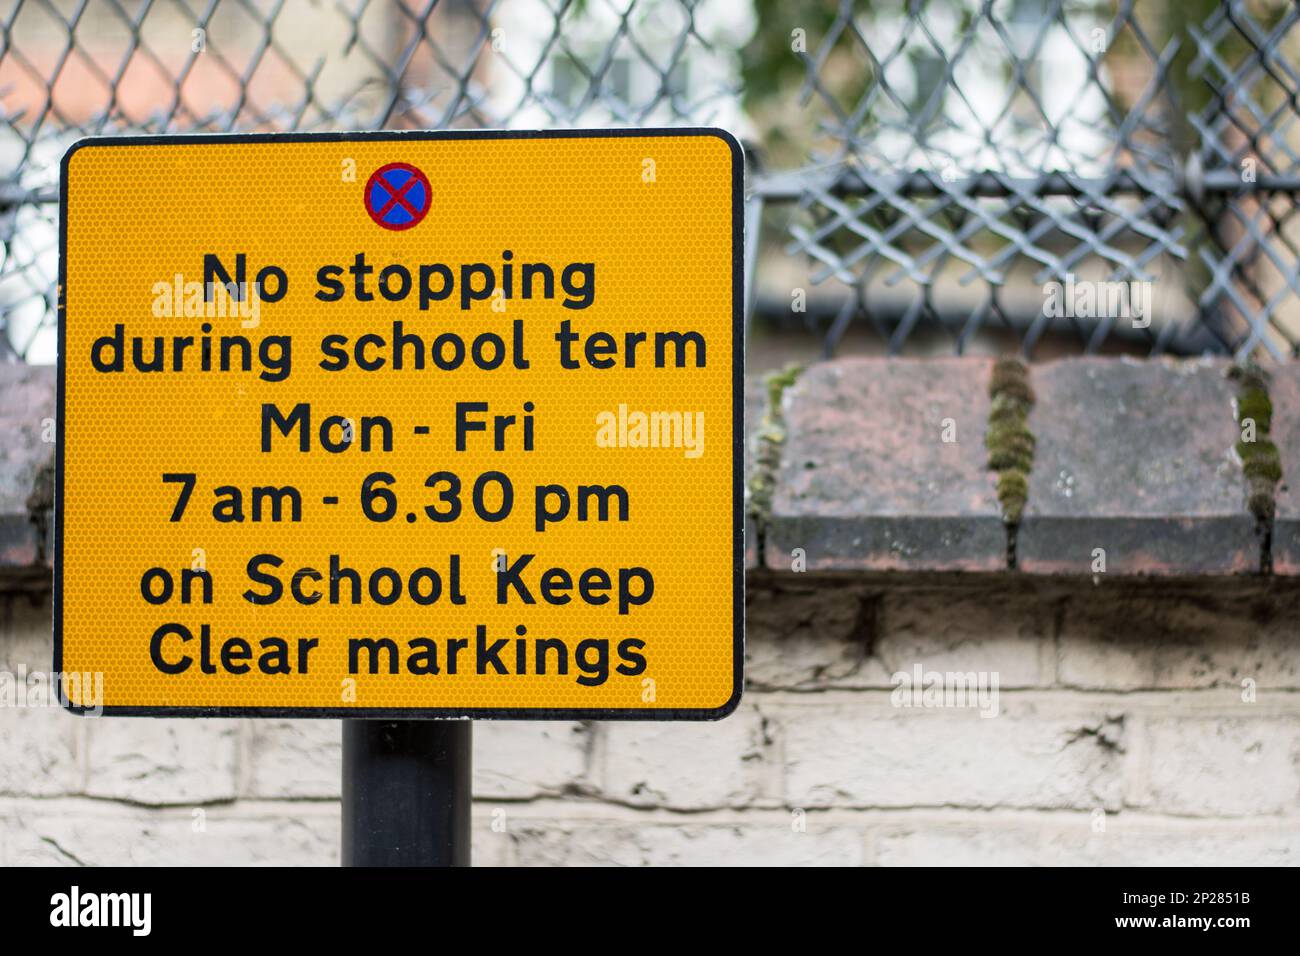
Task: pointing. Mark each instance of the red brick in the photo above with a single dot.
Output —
(866, 481)
(1136, 458)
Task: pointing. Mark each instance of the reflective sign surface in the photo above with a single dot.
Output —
(435, 424)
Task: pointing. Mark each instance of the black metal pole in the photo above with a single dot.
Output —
(406, 792)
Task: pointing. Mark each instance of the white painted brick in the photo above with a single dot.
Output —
(1172, 844)
(567, 842)
(820, 638)
(294, 835)
(294, 758)
(952, 838)
(810, 639)
(520, 760)
(950, 630)
(1205, 778)
(868, 753)
(1225, 766)
(71, 833)
(38, 751)
(685, 765)
(491, 847)
(162, 761)
(38, 744)
(26, 639)
(1122, 643)
(933, 844)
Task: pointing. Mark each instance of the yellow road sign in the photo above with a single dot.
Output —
(426, 424)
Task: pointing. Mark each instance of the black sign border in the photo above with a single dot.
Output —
(464, 713)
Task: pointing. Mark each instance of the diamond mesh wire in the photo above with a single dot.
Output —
(930, 176)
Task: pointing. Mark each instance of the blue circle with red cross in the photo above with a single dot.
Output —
(397, 196)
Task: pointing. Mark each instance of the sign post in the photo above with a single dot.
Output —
(406, 792)
(398, 426)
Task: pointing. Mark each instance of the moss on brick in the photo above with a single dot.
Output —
(1261, 462)
(1255, 405)
(777, 383)
(1260, 500)
(1010, 378)
(1013, 493)
(769, 437)
(1260, 459)
(1007, 409)
(1250, 376)
(1010, 446)
(1008, 439)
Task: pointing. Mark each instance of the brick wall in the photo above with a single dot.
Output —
(1122, 736)
(1141, 718)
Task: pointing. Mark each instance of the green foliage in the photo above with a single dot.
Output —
(769, 65)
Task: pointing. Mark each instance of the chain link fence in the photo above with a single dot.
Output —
(966, 175)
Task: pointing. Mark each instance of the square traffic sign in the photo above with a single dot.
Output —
(401, 424)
